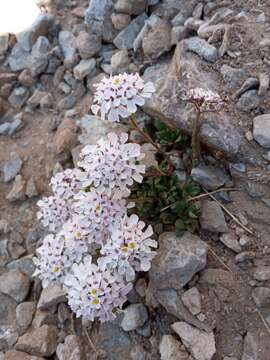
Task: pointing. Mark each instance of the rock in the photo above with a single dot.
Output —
(120, 62)
(209, 177)
(202, 48)
(15, 284)
(18, 190)
(135, 316)
(39, 342)
(66, 137)
(125, 39)
(212, 217)
(261, 296)
(31, 189)
(157, 41)
(178, 259)
(84, 68)
(88, 44)
(11, 169)
(26, 79)
(10, 128)
(230, 240)
(170, 349)
(4, 226)
(250, 100)
(71, 349)
(44, 317)
(178, 34)
(261, 130)
(120, 21)
(7, 310)
(4, 38)
(251, 347)
(19, 58)
(8, 337)
(40, 27)
(98, 19)
(67, 42)
(262, 273)
(131, 7)
(232, 76)
(24, 264)
(24, 313)
(200, 343)
(245, 256)
(18, 97)
(18, 355)
(39, 57)
(192, 300)
(51, 296)
(149, 160)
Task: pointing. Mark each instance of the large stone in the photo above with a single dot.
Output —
(200, 343)
(212, 217)
(170, 349)
(135, 316)
(261, 296)
(125, 39)
(261, 130)
(179, 258)
(19, 58)
(19, 355)
(88, 44)
(51, 296)
(11, 169)
(18, 190)
(39, 59)
(24, 264)
(18, 97)
(84, 68)
(209, 177)
(39, 342)
(7, 310)
(15, 284)
(251, 347)
(67, 42)
(24, 313)
(202, 48)
(262, 273)
(71, 349)
(192, 300)
(8, 337)
(131, 7)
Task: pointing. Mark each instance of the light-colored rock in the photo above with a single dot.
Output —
(24, 313)
(12, 168)
(202, 48)
(39, 342)
(15, 284)
(209, 177)
(199, 343)
(170, 349)
(19, 355)
(88, 44)
(178, 259)
(39, 59)
(135, 316)
(18, 190)
(251, 347)
(230, 240)
(131, 7)
(120, 21)
(120, 62)
(261, 130)
(31, 189)
(18, 97)
(261, 296)
(8, 337)
(212, 217)
(192, 300)
(84, 68)
(19, 58)
(51, 296)
(262, 273)
(67, 42)
(7, 310)
(71, 349)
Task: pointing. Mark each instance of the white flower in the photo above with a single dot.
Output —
(204, 100)
(119, 96)
(54, 212)
(67, 183)
(94, 292)
(111, 165)
(130, 247)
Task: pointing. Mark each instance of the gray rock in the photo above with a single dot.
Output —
(185, 9)
(24, 313)
(251, 347)
(125, 39)
(19, 58)
(199, 343)
(261, 273)
(51, 296)
(135, 316)
(4, 38)
(18, 97)
(178, 34)
(4, 128)
(15, 284)
(18, 190)
(44, 317)
(178, 259)
(212, 217)
(232, 76)
(31, 189)
(245, 256)
(261, 130)
(4, 226)
(202, 48)
(39, 59)
(192, 300)
(98, 18)
(25, 265)
(88, 44)
(8, 336)
(261, 296)
(250, 100)
(19, 355)
(230, 240)
(40, 27)
(67, 42)
(209, 177)
(120, 62)
(15, 126)
(170, 349)
(84, 68)
(39, 342)
(11, 169)
(7, 310)
(131, 7)
(71, 349)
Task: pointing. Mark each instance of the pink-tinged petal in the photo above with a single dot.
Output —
(139, 100)
(113, 115)
(131, 107)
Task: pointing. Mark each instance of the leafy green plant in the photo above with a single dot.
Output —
(170, 139)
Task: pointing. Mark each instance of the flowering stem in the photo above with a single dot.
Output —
(195, 142)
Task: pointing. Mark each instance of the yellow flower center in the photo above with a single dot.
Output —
(94, 292)
(78, 235)
(124, 249)
(132, 245)
(98, 208)
(96, 301)
(117, 81)
(56, 269)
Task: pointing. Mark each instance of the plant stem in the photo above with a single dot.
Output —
(195, 142)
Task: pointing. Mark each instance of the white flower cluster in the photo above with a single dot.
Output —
(204, 100)
(95, 247)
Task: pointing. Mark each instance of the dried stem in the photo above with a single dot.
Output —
(195, 142)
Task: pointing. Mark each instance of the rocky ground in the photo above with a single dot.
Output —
(207, 295)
